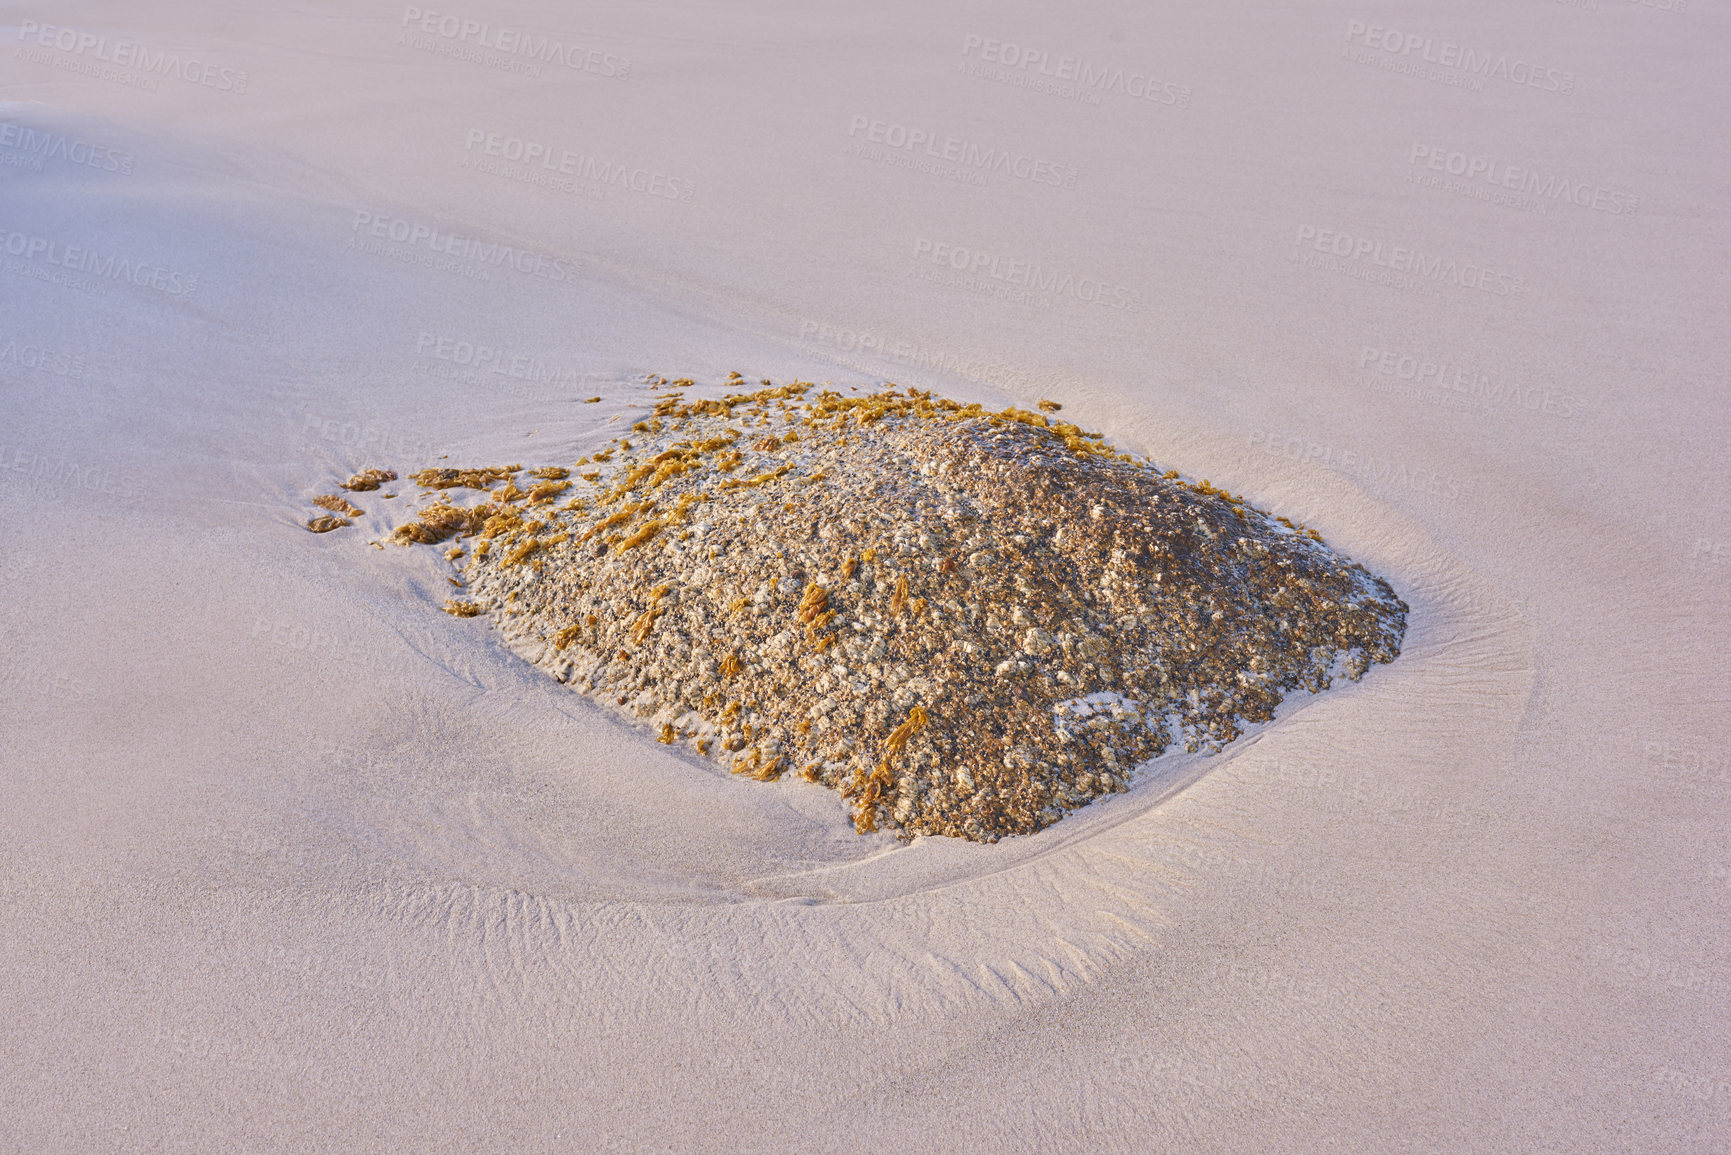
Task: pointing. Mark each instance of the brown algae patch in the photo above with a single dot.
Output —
(337, 504)
(967, 622)
(341, 508)
(369, 479)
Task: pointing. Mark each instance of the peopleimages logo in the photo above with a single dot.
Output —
(1448, 54)
(128, 54)
(581, 166)
(111, 266)
(54, 146)
(1023, 274)
(1410, 261)
(1471, 385)
(41, 358)
(369, 440)
(965, 153)
(1524, 179)
(484, 358)
(917, 355)
(515, 42)
(58, 475)
(420, 234)
(1098, 78)
(1367, 469)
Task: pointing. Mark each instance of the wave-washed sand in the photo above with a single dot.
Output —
(291, 859)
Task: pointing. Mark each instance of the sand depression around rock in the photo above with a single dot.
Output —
(967, 622)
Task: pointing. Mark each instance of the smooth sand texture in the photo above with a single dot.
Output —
(287, 862)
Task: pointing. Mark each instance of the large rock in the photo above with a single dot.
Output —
(970, 623)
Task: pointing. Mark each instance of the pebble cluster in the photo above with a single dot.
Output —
(967, 622)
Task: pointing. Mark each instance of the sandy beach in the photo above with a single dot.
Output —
(291, 859)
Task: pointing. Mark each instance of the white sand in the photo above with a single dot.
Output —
(290, 860)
